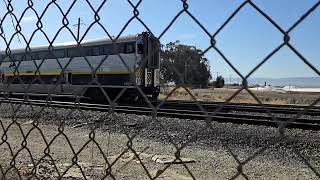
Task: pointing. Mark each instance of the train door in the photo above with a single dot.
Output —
(156, 61)
(140, 67)
(153, 60)
(149, 62)
(146, 61)
(150, 59)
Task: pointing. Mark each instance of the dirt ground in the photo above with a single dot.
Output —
(223, 94)
(214, 162)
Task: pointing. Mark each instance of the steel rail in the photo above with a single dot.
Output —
(191, 105)
(248, 104)
(301, 123)
(211, 106)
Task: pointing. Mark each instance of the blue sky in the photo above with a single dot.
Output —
(246, 40)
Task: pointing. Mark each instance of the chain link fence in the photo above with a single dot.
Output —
(41, 142)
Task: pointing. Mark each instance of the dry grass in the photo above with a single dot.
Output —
(223, 94)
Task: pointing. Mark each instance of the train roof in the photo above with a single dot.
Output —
(70, 44)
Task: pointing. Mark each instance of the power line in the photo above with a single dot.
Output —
(11, 21)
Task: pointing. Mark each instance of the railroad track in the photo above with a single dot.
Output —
(256, 108)
(312, 123)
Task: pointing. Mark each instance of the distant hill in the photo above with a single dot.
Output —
(294, 81)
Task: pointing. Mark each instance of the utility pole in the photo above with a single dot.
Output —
(78, 25)
(217, 74)
(78, 34)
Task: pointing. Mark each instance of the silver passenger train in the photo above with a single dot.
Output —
(67, 69)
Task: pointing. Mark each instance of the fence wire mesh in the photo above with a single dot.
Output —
(39, 141)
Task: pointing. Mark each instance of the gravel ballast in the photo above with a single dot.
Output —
(212, 147)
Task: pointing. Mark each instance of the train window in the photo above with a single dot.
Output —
(28, 56)
(88, 51)
(129, 48)
(33, 56)
(121, 48)
(19, 57)
(59, 53)
(55, 54)
(8, 58)
(101, 52)
(95, 51)
(73, 52)
(107, 49)
(2, 58)
(43, 55)
(117, 48)
(140, 48)
(51, 55)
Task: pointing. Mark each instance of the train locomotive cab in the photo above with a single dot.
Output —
(148, 64)
(144, 64)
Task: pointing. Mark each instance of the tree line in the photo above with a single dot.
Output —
(184, 64)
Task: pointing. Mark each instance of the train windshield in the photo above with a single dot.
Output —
(140, 48)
